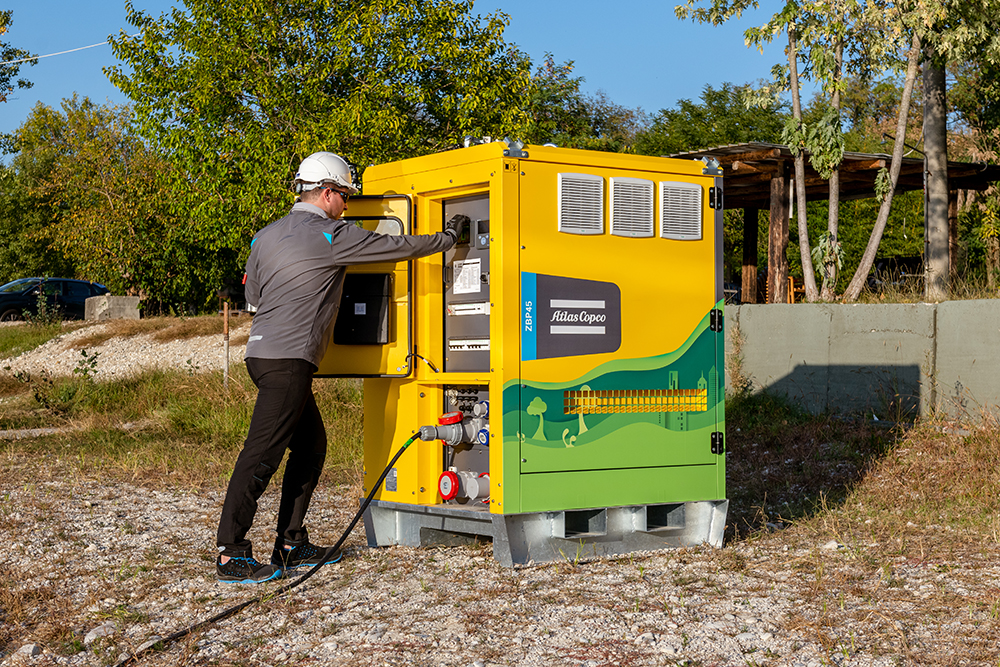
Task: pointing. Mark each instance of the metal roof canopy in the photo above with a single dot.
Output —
(748, 169)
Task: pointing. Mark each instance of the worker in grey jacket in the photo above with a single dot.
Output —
(295, 277)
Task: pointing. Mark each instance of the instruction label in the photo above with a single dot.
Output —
(467, 276)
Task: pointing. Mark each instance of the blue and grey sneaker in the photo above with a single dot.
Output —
(244, 570)
(290, 556)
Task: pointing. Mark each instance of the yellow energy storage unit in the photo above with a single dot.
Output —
(563, 363)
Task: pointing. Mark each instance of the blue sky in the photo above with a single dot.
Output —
(637, 51)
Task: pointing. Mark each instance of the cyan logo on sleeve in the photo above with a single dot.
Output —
(566, 317)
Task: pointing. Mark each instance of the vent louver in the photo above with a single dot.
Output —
(581, 204)
(632, 207)
(680, 210)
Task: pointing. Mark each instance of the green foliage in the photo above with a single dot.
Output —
(975, 93)
(827, 254)
(883, 184)
(235, 94)
(825, 142)
(563, 115)
(722, 117)
(8, 73)
(98, 206)
(46, 314)
(86, 365)
(27, 212)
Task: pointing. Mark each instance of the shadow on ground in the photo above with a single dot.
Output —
(783, 463)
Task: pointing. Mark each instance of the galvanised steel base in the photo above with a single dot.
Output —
(521, 539)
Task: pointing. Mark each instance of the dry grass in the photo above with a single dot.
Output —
(911, 290)
(165, 429)
(782, 463)
(934, 495)
(914, 513)
(162, 329)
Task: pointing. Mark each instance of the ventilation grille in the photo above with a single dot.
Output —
(632, 207)
(634, 400)
(581, 204)
(680, 211)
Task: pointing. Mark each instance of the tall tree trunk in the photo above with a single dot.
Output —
(868, 258)
(936, 270)
(808, 273)
(830, 270)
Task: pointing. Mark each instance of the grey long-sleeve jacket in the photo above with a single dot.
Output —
(295, 277)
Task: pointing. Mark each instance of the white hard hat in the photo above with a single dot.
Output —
(324, 168)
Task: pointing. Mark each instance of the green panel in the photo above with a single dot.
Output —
(637, 443)
(549, 492)
(553, 441)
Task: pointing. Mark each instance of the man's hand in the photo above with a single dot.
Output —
(456, 224)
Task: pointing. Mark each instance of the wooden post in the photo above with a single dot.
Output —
(749, 289)
(777, 240)
(953, 234)
(225, 345)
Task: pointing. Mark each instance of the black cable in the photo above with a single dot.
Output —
(287, 587)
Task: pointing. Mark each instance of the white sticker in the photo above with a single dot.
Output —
(359, 308)
(467, 276)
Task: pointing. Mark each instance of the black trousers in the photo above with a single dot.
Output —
(285, 417)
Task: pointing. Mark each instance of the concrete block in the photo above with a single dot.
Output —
(785, 349)
(967, 379)
(881, 359)
(109, 307)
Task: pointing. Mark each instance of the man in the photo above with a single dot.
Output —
(295, 277)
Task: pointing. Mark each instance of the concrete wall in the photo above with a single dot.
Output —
(892, 361)
(109, 307)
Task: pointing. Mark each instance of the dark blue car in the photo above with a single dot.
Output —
(66, 295)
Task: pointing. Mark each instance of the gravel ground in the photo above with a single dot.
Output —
(94, 570)
(120, 357)
(117, 566)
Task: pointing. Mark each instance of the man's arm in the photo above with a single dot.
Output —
(353, 245)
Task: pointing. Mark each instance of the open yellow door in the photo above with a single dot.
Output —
(373, 333)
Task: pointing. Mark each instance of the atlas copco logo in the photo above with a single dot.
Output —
(564, 317)
(582, 317)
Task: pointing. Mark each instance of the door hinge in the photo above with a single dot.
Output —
(718, 442)
(715, 198)
(715, 321)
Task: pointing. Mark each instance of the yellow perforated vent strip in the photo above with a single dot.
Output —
(635, 400)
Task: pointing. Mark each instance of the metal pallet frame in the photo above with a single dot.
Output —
(522, 539)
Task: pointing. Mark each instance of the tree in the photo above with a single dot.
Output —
(9, 72)
(27, 213)
(799, 22)
(721, 117)
(950, 31)
(235, 94)
(563, 115)
(94, 203)
(886, 184)
(26, 247)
